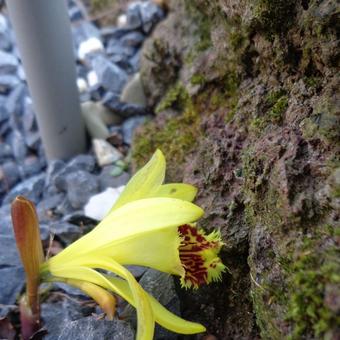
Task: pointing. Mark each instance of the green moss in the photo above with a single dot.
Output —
(313, 82)
(236, 39)
(275, 105)
(261, 297)
(324, 122)
(272, 97)
(313, 269)
(278, 109)
(263, 201)
(176, 137)
(175, 94)
(274, 16)
(203, 23)
(101, 4)
(198, 79)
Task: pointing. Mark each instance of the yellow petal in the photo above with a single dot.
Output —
(138, 217)
(144, 182)
(163, 316)
(157, 249)
(181, 191)
(145, 327)
(104, 299)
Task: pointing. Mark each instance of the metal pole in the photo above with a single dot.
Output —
(43, 34)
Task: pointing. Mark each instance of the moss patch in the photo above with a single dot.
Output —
(314, 279)
(198, 79)
(175, 95)
(275, 16)
(275, 105)
(176, 137)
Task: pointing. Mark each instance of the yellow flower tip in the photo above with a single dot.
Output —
(199, 256)
(105, 300)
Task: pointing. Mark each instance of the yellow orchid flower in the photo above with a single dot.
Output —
(152, 225)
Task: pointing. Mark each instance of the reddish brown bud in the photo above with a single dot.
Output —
(27, 236)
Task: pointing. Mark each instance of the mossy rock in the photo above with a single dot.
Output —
(175, 134)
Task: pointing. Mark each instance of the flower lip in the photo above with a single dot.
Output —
(198, 254)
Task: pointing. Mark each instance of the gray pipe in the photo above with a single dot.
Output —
(43, 34)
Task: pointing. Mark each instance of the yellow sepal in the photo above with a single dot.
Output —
(181, 191)
(144, 182)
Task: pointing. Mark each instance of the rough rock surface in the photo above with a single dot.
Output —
(246, 111)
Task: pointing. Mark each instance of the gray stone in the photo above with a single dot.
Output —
(129, 126)
(106, 180)
(123, 109)
(7, 309)
(64, 208)
(150, 15)
(121, 61)
(32, 188)
(5, 38)
(137, 271)
(93, 329)
(82, 162)
(81, 185)
(53, 168)
(133, 92)
(83, 31)
(69, 290)
(135, 61)
(12, 280)
(21, 73)
(106, 153)
(110, 76)
(6, 220)
(5, 151)
(58, 314)
(8, 63)
(133, 14)
(30, 166)
(28, 118)
(8, 82)
(18, 145)
(117, 48)
(14, 104)
(9, 176)
(46, 208)
(134, 39)
(112, 32)
(33, 140)
(106, 115)
(4, 115)
(66, 232)
(75, 14)
(94, 121)
(9, 256)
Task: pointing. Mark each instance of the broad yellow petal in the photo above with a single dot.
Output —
(163, 316)
(181, 191)
(156, 249)
(138, 217)
(144, 182)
